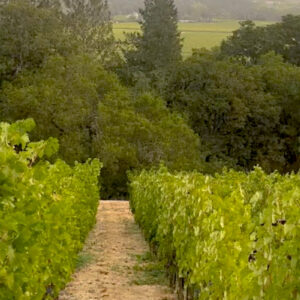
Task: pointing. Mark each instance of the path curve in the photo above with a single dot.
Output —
(114, 245)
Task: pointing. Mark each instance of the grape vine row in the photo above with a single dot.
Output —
(229, 236)
(46, 212)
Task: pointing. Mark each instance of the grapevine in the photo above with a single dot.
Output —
(229, 236)
(46, 211)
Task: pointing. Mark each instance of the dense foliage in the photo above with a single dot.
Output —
(62, 97)
(56, 63)
(46, 211)
(158, 46)
(139, 134)
(230, 236)
(250, 42)
(244, 115)
(89, 23)
(74, 99)
(30, 34)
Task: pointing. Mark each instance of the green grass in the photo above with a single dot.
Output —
(196, 35)
(149, 271)
(83, 260)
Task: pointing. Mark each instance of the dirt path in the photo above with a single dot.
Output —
(117, 264)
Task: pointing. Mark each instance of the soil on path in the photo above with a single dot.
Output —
(115, 248)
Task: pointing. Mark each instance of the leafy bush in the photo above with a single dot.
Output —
(233, 236)
(46, 211)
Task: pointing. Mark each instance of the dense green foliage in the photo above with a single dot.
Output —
(28, 36)
(231, 236)
(56, 67)
(62, 97)
(249, 42)
(46, 211)
(74, 99)
(158, 46)
(89, 23)
(244, 115)
(140, 134)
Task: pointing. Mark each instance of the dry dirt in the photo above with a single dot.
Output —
(114, 246)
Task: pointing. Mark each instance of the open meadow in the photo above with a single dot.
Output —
(196, 35)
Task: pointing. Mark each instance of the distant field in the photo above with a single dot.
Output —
(196, 35)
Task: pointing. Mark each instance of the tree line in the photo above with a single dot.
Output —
(207, 10)
(136, 104)
(242, 99)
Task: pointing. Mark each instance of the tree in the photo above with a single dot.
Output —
(62, 97)
(92, 115)
(247, 43)
(28, 36)
(90, 21)
(74, 99)
(159, 45)
(244, 115)
(86, 24)
(250, 42)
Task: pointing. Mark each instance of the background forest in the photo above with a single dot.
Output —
(138, 103)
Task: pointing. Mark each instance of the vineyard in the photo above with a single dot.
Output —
(46, 211)
(229, 236)
(188, 132)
